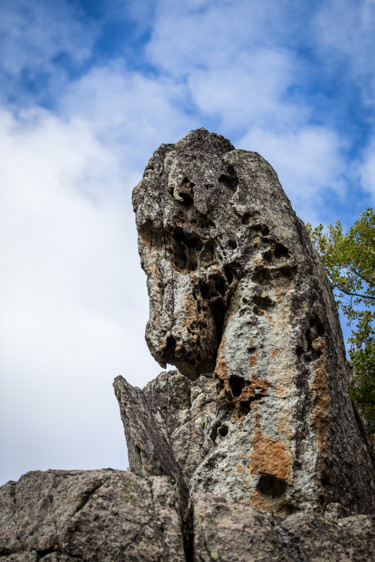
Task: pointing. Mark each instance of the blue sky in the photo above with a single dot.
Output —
(89, 90)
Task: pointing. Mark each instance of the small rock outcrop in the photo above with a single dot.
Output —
(90, 515)
(239, 296)
(107, 516)
(251, 450)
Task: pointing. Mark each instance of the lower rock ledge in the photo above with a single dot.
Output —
(108, 515)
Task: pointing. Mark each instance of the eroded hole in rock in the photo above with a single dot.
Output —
(262, 302)
(189, 240)
(184, 194)
(244, 407)
(228, 274)
(262, 228)
(220, 286)
(267, 256)
(229, 180)
(181, 258)
(171, 344)
(236, 384)
(262, 276)
(271, 486)
(246, 217)
(223, 431)
(286, 272)
(299, 351)
(281, 251)
(184, 249)
(186, 199)
(317, 326)
(232, 244)
(204, 289)
(207, 255)
(218, 313)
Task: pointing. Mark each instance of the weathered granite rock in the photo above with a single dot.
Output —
(228, 530)
(99, 515)
(238, 294)
(188, 408)
(149, 450)
(103, 515)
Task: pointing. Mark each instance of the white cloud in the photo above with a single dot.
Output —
(74, 302)
(131, 112)
(33, 33)
(366, 169)
(212, 34)
(344, 35)
(249, 92)
(308, 161)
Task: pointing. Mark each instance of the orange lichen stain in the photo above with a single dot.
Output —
(270, 457)
(251, 343)
(251, 395)
(253, 360)
(275, 351)
(239, 469)
(257, 415)
(284, 387)
(257, 500)
(322, 403)
(221, 365)
(282, 288)
(191, 310)
(259, 383)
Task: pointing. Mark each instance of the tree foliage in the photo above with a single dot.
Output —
(349, 259)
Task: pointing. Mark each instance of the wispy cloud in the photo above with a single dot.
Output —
(39, 41)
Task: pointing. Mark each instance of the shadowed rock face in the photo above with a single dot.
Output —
(238, 294)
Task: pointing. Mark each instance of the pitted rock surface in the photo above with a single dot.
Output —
(99, 515)
(238, 294)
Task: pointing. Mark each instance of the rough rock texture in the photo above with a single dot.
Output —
(105, 515)
(257, 417)
(149, 451)
(225, 530)
(238, 294)
(90, 515)
(165, 423)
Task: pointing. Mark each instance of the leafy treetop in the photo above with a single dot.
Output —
(349, 259)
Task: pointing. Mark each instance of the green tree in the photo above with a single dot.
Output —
(349, 259)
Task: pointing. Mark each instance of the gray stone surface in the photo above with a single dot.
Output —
(238, 294)
(104, 515)
(99, 515)
(188, 409)
(228, 530)
(149, 450)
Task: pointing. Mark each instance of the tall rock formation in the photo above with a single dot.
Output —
(239, 296)
(257, 415)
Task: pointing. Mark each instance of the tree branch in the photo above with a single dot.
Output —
(370, 297)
